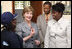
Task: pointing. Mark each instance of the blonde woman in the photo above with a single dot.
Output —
(28, 30)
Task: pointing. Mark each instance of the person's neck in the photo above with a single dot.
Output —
(59, 18)
(47, 14)
(28, 22)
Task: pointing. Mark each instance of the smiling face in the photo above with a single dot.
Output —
(47, 9)
(56, 15)
(57, 11)
(28, 15)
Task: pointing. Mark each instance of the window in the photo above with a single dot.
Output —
(21, 4)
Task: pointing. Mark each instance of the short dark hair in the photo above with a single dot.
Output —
(47, 3)
(58, 7)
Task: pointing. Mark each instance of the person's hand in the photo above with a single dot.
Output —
(32, 31)
(31, 34)
(37, 42)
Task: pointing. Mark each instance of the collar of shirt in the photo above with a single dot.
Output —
(54, 21)
(61, 20)
(47, 16)
(26, 25)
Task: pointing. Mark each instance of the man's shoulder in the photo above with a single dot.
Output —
(40, 16)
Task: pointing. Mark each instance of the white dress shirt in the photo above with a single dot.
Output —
(58, 34)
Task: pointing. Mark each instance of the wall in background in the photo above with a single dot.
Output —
(6, 6)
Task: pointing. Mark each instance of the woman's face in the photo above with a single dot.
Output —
(56, 15)
(28, 15)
